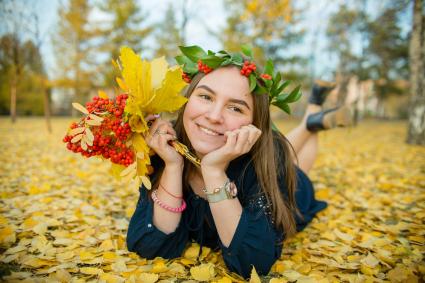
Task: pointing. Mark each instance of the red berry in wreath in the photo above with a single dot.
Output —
(266, 76)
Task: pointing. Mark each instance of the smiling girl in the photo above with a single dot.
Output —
(248, 194)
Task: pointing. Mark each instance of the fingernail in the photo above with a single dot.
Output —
(157, 115)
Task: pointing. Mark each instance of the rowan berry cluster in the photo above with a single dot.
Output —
(248, 68)
(203, 67)
(186, 78)
(110, 137)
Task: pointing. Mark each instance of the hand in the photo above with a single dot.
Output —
(239, 142)
(160, 133)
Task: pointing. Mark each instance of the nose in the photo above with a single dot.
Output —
(215, 114)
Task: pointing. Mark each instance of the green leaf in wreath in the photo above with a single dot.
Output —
(212, 61)
(252, 82)
(247, 50)
(237, 58)
(268, 69)
(193, 52)
(294, 95)
(282, 105)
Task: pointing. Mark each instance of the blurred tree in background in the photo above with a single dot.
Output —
(20, 65)
(125, 25)
(272, 27)
(363, 39)
(416, 129)
(344, 25)
(168, 36)
(74, 51)
(387, 50)
(23, 79)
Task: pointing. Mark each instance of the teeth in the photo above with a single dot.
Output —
(208, 131)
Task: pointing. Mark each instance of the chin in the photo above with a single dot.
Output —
(202, 148)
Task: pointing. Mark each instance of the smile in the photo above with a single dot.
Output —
(209, 131)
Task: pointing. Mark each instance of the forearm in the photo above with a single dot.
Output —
(165, 220)
(226, 213)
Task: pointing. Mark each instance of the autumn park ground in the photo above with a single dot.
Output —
(63, 218)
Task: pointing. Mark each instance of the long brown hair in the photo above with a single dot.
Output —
(271, 151)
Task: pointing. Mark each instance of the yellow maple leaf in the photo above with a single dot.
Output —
(203, 272)
(148, 277)
(152, 86)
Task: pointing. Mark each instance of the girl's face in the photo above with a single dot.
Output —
(220, 102)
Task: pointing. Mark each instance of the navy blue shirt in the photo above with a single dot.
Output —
(255, 243)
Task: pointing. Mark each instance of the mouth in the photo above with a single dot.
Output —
(208, 131)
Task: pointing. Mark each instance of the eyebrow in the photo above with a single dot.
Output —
(238, 101)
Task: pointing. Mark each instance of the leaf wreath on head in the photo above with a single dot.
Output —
(268, 82)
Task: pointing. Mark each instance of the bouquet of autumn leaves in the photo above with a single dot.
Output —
(114, 129)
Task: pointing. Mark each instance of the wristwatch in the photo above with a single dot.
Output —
(227, 191)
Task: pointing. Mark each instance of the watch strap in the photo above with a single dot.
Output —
(222, 193)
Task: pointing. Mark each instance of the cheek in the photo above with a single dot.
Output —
(236, 123)
(190, 111)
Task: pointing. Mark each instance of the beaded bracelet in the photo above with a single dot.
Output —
(169, 192)
(167, 207)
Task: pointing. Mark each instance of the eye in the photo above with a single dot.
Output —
(236, 109)
(205, 96)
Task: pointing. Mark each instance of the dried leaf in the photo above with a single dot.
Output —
(370, 261)
(77, 138)
(129, 169)
(95, 117)
(83, 143)
(91, 270)
(203, 272)
(76, 131)
(80, 108)
(93, 122)
(146, 182)
(254, 276)
(89, 137)
(148, 277)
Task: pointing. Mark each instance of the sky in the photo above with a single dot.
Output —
(211, 15)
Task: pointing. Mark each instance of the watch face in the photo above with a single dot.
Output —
(233, 190)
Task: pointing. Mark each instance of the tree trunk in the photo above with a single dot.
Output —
(46, 101)
(416, 129)
(13, 90)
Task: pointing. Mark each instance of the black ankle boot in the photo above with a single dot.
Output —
(319, 92)
(328, 119)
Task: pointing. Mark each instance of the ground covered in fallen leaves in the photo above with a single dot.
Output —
(64, 219)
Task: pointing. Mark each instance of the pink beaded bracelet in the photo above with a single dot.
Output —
(167, 207)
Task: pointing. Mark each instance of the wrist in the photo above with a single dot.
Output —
(214, 180)
(213, 170)
(174, 167)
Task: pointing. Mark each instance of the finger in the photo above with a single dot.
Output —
(242, 140)
(253, 135)
(158, 125)
(151, 117)
(231, 140)
(163, 140)
(159, 140)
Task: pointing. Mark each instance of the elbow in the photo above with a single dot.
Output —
(263, 268)
(137, 245)
(142, 250)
